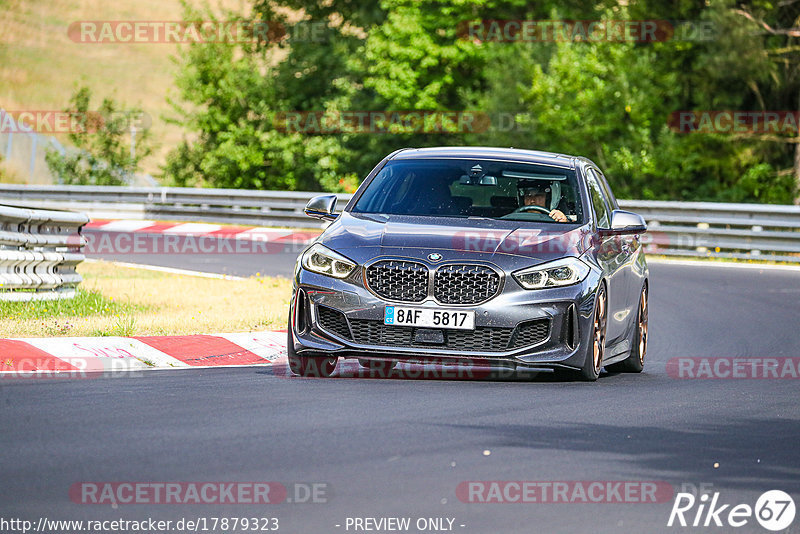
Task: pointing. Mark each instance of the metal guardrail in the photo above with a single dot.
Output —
(720, 230)
(39, 250)
(231, 206)
(742, 231)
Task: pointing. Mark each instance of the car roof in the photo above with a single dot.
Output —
(494, 153)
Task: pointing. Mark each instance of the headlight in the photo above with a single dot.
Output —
(563, 272)
(320, 259)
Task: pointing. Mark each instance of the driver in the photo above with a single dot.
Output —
(537, 196)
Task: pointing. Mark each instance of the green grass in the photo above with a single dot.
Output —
(124, 326)
(124, 301)
(86, 303)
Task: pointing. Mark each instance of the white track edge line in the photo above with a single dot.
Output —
(171, 270)
(726, 264)
(123, 371)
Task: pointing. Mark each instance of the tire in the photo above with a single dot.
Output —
(635, 362)
(596, 350)
(308, 366)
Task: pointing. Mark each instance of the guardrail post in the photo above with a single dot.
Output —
(34, 143)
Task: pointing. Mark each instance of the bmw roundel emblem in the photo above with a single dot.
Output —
(435, 256)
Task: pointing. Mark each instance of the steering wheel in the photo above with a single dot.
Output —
(533, 208)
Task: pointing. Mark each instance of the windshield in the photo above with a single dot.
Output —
(474, 188)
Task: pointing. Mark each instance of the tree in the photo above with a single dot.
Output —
(773, 45)
(234, 99)
(610, 101)
(102, 153)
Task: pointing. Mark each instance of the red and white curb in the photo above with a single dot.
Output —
(41, 357)
(92, 357)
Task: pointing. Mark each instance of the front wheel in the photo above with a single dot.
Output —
(595, 352)
(309, 366)
(635, 362)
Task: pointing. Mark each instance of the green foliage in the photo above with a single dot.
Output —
(587, 102)
(761, 183)
(609, 101)
(86, 303)
(234, 98)
(101, 139)
(124, 326)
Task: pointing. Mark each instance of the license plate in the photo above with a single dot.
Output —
(429, 317)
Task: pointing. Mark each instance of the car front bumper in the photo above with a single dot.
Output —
(567, 311)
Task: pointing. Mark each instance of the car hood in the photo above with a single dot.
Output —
(509, 244)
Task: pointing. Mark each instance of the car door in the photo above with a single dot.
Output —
(610, 257)
(631, 248)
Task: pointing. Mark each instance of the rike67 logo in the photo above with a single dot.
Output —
(774, 510)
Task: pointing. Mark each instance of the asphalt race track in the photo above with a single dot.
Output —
(401, 447)
(278, 260)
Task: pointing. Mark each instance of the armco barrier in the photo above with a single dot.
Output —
(231, 206)
(721, 230)
(743, 231)
(39, 250)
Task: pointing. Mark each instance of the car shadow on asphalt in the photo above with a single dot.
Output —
(747, 453)
(351, 369)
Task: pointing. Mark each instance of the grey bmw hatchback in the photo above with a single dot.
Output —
(478, 256)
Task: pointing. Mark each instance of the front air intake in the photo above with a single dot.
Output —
(300, 312)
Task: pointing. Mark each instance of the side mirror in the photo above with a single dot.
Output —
(625, 222)
(322, 207)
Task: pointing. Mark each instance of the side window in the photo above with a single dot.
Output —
(598, 202)
(612, 200)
